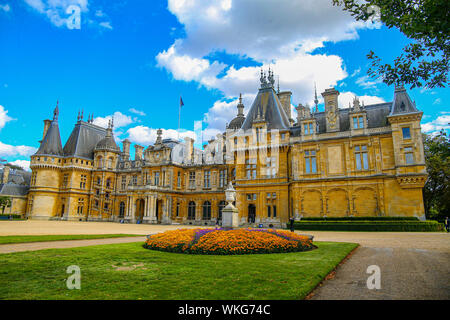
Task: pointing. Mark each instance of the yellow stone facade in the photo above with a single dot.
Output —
(316, 167)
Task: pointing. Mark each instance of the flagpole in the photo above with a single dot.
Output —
(179, 117)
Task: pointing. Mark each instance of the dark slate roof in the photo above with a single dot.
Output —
(11, 189)
(51, 144)
(107, 143)
(236, 123)
(83, 139)
(269, 107)
(402, 102)
(376, 117)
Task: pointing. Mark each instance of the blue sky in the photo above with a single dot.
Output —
(133, 59)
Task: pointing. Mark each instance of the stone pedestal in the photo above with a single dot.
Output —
(230, 217)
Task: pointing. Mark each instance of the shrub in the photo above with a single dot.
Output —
(424, 226)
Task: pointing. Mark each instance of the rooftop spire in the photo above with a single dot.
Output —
(240, 106)
(316, 101)
(56, 112)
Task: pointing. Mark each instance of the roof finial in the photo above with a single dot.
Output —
(82, 112)
(78, 117)
(56, 111)
(278, 89)
(316, 101)
(112, 122)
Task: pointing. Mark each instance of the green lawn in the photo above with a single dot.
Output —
(59, 237)
(128, 271)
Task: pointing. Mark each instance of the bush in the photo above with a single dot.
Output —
(370, 225)
(7, 216)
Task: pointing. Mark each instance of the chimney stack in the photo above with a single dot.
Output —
(138, 152)
(285, 99)
(126, 149)
(5, 174)
(189, 148)
(46, 126)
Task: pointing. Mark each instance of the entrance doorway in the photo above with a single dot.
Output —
(251, 213)
(122, 209)
(158, 210)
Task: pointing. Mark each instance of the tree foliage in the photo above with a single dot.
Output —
(436, 192)
(425, 61)
(4, 203)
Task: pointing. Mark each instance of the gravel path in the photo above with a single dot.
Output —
(412, 266)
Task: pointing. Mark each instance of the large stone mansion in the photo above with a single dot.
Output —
(356, 161)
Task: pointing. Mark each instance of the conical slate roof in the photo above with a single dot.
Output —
(51, 144)
(402, 102)
(267, 107)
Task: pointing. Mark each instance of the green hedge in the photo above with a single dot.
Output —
(6, 216)
(369, 225)
(361, 219)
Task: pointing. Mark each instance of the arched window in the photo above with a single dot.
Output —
(206, 210)
(100, 162)
(122, 210)
(110, 163)
(222, 204)
(191, 210)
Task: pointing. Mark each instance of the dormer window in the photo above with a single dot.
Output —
(406, 133)
(358, 122)
(308, 128)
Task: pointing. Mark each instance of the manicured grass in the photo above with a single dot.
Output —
(128, 271)
(59, 237)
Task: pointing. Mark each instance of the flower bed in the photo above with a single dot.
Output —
(225, 242)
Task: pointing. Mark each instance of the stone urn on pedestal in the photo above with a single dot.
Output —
(230, 214)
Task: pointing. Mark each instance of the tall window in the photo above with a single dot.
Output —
(134, 180)
(80, 206)
(362, 162)
(310, 161)
(409, 156)
(406, 133)
(83, 181)
(250, 168)
(178, 209)
(156, 178)
(207, 210)
(358, 122)
(100, 162)
(192, 180)
(271, 167)
(179, 179)
(191, 210)
(222, 205)
(222, 178)
(65, 180)
(207, 179)
(99, 181)
(271, 204)
(124, 182)
(108, 183)
(110, 163)
(308, 128)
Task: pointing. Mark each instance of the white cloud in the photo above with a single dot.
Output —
(106, 24)
(5, 7)
(7, 150)
(441, 122)
(4, 118)
(120, 120)
(138, 112)
(347, 97)
(250, 29)
(145, 135)
(25, 164)
(437, 101)
(55, 11)
(368, 83)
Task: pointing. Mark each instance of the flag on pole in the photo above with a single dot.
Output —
(181, 102)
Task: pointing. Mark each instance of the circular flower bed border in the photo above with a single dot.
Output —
(228, 242)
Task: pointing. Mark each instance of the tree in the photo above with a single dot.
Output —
(4, 203)
(436, 192)
(425, 61)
